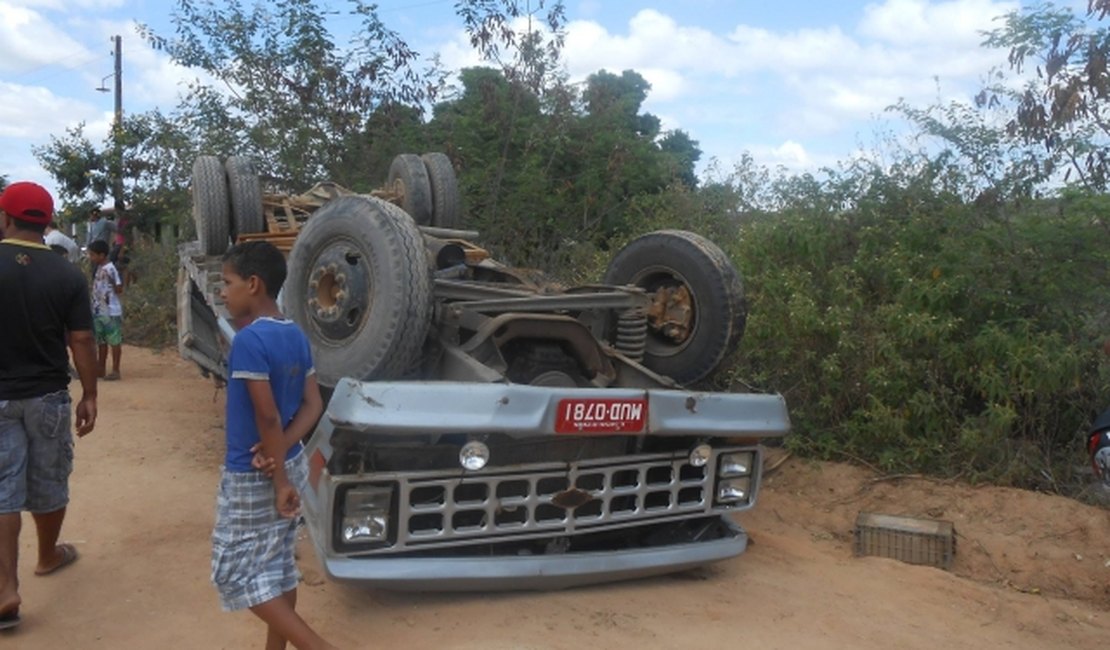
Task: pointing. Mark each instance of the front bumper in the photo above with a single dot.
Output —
(531, 572)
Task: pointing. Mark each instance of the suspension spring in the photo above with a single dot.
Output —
(632, 329)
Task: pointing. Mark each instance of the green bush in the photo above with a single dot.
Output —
(150, 306)
(911, 329)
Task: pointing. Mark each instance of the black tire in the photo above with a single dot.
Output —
(210, 205)
(446, 206)
(675, 258)
(245, 196)
(361, 288)
(409, 177)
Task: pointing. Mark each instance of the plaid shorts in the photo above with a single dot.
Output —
(252, 545)
(36, 453)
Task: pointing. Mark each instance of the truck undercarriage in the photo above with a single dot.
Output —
(486, 427)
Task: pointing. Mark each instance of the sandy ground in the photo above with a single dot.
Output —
(1032, 571)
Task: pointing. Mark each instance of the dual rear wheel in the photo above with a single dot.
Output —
(227, 201)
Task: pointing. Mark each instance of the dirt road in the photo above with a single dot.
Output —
(1032, 571)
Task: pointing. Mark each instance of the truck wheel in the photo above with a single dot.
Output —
(409, 179)
(361, 288)
(245, 193)
(698, 313)
(210, 205)
(446, 207)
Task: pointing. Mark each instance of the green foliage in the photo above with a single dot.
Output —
(150, 307)
(549, 178)
(910, 327)
(1063, 108)
(292, 98)
(77, 166)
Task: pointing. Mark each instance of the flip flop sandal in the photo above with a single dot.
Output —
(10, 620)
(69, 556)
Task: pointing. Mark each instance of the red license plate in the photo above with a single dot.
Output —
(601, 416)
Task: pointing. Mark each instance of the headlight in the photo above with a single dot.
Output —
(738, 463)
(733, 490)
(366, 514)
(474, 455)
(700, 454)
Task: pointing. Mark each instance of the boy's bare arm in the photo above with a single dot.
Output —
(268, 420)
(307, 415)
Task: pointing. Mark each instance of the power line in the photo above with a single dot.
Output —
(55, 73)
(62, 60)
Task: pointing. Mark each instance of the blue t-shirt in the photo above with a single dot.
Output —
(271, 350)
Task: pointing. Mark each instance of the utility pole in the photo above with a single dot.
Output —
(117, 129)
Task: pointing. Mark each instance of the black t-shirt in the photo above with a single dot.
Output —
(42, 295)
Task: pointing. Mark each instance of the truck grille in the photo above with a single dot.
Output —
(531, 501)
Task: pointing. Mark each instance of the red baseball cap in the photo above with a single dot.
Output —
(28, 202)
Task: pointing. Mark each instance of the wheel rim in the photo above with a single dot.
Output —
(340, 291)
(673, 317)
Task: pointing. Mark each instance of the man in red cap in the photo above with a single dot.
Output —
(44, 296)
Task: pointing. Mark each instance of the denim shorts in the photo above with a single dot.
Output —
(252, 544)
(36, 453)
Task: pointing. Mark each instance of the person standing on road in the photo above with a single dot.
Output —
(44, 296)
(107, 309)
(100, 229)
(272, 402)
(55, 237)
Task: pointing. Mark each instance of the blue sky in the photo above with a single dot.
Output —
(800, 84)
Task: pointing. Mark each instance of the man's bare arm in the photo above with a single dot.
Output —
(82, 345)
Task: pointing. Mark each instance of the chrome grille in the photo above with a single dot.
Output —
(440, 509)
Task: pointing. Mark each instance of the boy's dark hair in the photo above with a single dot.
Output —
(59, 249)
(99, 246)
(260, 258)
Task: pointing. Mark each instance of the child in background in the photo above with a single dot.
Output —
(272, 402)
(107, 309)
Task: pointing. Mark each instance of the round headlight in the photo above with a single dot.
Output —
(474, 455)
(699, 455)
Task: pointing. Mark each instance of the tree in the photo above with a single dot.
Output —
(290, 96)
(1064, 107)
(545, 172)
(995, 163)
(303, 106)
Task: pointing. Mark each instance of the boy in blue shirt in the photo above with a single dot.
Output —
(272, 403)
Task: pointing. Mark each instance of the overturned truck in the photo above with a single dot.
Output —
(487, 427)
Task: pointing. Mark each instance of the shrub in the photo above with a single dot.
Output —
(150, 305)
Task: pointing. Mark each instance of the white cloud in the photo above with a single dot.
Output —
(38, 112)
(745, 86)
(917, 22)
(24, 35)
(69, 5)
(789, 154)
